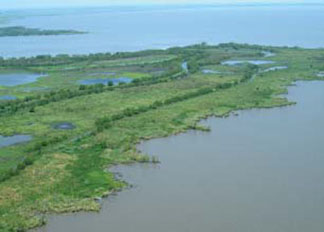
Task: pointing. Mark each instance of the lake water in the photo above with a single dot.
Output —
(130, 29)
(13, 140)
(259, 171)
(13, 79)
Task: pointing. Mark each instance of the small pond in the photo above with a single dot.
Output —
(6, 141)
(255, 62)
(64, 126)
(13, 79)
(105, 81)
(7, 97)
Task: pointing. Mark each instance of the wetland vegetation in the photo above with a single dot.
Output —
(65, 170)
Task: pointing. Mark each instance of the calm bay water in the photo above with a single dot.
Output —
(130, 29)
(259, 171)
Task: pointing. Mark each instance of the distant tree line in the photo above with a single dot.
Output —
(106, 122)
(186, 52)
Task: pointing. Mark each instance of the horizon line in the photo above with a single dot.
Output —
(192, 4)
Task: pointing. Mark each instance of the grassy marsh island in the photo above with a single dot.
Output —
(66, 170)
(23, 31)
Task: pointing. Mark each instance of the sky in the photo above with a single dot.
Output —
(5, 4)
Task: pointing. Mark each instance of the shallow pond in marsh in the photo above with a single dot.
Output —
(255, 62)
(13, 79)
(14, 140)
(210, 71)
(63, 126)
(259, 171)
(114, 81)
(7, 97)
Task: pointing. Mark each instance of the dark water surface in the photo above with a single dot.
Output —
(261, 171)
(130, 29)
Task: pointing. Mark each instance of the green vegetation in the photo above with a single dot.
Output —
(23, 31)
(66, 170)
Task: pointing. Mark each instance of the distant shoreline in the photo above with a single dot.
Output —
(24, 31)
(160, 6)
